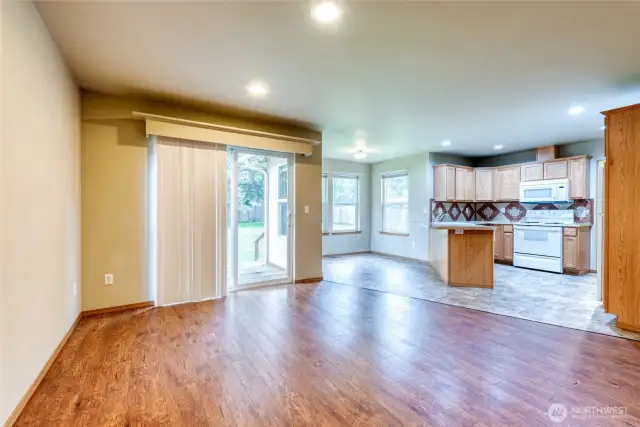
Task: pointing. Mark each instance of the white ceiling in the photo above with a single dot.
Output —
(409, 74)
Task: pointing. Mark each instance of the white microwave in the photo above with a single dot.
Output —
(550, 190)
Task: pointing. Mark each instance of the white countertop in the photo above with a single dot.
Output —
(456, 224)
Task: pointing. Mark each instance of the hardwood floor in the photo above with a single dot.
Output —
(332, 355)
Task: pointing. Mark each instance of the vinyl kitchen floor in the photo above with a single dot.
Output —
(556, 299)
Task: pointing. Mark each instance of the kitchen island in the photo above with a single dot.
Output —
(462, 253)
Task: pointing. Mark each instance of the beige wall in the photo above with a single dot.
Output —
(114, 185)
(39, 201)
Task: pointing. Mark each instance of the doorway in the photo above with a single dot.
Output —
(259, 212)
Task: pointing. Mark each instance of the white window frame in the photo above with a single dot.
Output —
(283, 232)
(384, 203)
(328, 203)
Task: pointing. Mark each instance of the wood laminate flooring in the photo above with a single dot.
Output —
(331, 355)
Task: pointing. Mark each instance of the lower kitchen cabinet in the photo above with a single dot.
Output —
(576, 251)
(503, 245)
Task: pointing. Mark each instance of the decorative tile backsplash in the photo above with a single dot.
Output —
(513, 211)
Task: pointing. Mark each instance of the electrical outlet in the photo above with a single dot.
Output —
(502, 210)
(413, 244)
(75, 289)
(108, 279)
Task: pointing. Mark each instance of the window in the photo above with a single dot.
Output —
(345, 204)
(325, 196)
(340, 203)
(283, 191)
(395, 203)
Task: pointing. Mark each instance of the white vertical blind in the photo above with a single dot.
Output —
(191, 221)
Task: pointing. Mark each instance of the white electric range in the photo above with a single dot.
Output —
(537, 240)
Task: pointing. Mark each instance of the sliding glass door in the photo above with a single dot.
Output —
(259, 212)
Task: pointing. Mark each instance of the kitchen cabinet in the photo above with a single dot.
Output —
(453, 183)
(444, 183)
(507, 243)
(464, 184)
(556, 169)
(576, 249)
(497, 243)
(531, 172)
(579, 178)
(508, 183)
(484, 185)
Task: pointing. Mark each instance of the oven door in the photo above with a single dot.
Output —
(538, 193)
(536, 240)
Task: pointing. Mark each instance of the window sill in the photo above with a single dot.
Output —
(388, 233)
(341, 233)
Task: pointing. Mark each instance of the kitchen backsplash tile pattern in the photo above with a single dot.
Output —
(511, 211)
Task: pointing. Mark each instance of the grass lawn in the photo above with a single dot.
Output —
(247, 233)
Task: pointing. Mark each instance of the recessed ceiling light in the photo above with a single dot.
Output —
(498, 147)
(257, 89)
(574, 111)
(445, 143)
(326, 12)
(603, 127)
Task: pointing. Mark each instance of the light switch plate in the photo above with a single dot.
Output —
(108, 279)
(306, 209)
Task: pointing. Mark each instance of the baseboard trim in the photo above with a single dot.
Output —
(348, 253)
(401, 257)
(310, 280)
(36, 383)
(118, 308)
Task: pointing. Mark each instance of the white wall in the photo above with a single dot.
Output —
(596, 150)
(39, 201)
(416, 245)
(277, 249)
(349, 243)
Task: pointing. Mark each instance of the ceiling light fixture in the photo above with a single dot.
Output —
(574, 111)
(445, 143)
(257, 89)
(498, 147)
(359, 155)
(326, 12)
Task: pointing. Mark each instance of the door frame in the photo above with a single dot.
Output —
(233, 240)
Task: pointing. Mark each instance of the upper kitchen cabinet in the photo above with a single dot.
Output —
(531, 172)
(465, 190)
(444, 183)
(484, 185)
(507, 183)
(579, 178)
(453, 183)
(556, 169)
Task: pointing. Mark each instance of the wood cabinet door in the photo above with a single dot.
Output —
(579, 178)
(440, 183)
(555, 170)
(484, 185)
(509, 183)
(497, 243)
(469, 185)
(531, 172)
(450, 192)
(507, 246)
(570, 252)
(464, 184)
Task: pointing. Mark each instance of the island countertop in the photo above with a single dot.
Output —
(462, 255)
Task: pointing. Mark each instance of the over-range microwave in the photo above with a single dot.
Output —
(549, 190)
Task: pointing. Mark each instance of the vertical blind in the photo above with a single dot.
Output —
(191, 220)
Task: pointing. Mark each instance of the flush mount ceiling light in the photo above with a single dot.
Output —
(574, 111)
(361, 151)
(257, 89)
(360, 155)
(498, 147)
(326, 12)
(445, 143)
